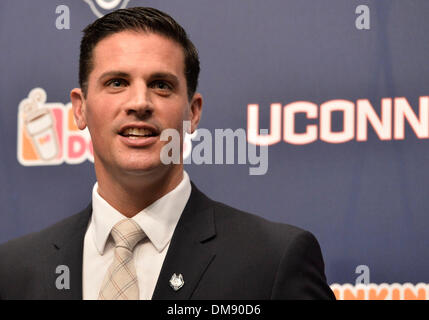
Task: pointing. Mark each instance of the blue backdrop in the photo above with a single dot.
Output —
(366, 201)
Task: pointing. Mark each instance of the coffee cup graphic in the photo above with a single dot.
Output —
(40, 125)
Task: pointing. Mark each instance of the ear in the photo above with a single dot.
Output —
(79, 107)
(196, 110)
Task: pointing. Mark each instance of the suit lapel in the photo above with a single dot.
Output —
(191, 249)
(67, 250)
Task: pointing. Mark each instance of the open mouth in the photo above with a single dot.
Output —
(138, 133)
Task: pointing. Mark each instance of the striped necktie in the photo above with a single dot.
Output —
(120, 282)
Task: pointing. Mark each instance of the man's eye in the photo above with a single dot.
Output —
(162, 85)
(116, 83)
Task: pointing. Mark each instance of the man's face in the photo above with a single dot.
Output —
(137, 88)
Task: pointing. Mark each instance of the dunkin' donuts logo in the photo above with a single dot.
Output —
(383, 291)
(48, 135)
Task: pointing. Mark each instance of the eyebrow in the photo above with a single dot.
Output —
(109, 74)
(165, 75)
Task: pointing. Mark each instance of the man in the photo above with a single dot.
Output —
(149, 233)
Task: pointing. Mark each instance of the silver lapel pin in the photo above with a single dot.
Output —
(176, 281)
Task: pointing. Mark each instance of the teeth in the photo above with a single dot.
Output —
(137, 132)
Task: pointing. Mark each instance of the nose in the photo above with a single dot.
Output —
(139, 102)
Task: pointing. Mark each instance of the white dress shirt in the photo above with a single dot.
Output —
(158, 221)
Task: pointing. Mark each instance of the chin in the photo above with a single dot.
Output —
(140, 168)
(143, 167)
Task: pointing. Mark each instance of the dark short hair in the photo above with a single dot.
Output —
(137, 19)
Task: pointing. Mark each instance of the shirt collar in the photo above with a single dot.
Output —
(158, 220)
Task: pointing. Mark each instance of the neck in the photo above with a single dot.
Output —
(131, 194)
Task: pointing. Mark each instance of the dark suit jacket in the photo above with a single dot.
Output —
(222, 253)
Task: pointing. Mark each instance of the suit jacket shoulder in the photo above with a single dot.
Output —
(250, 224)
(28, 264)
(290, 257)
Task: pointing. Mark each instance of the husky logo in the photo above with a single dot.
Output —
(176, 281)
(101, 7)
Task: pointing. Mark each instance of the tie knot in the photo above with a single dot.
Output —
(127, 233)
